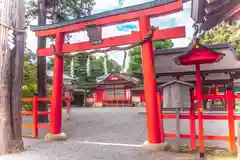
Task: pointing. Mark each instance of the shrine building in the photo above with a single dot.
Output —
(115, 89)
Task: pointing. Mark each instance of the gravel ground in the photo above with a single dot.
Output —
(70, 150)
(105, 125)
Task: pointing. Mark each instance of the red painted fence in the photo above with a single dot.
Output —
(120, 102)
(192, 117)
(35, 126)
(35, 112)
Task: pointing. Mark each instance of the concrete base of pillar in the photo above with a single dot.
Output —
(155, 146)
(55, 137)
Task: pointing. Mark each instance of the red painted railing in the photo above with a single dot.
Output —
(35, 126)
(192, 117)
(120, 102)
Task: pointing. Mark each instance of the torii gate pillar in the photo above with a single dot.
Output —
(154, 139)
(57, 93)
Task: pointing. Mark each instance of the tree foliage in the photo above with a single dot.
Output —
(29, 87)
(96, 68)
(60, 10)
(30, 70)
(71, 9)
(135, 62)
(222, 34)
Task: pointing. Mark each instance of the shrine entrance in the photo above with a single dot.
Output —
(93, 25)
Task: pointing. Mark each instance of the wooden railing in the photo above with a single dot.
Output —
(192, 117)
(34, 113)
(121, 102)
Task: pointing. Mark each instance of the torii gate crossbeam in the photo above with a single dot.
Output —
(141, 13)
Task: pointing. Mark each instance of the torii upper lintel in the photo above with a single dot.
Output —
(151, 9)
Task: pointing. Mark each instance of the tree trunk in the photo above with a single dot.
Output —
(11, 71)
(41, 64)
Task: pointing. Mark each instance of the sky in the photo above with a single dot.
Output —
(173, 20)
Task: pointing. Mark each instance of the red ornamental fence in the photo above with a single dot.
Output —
(35, 113)
(121, 102)
(35, 126)
(192, 117)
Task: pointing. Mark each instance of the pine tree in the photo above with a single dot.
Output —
(105, 64)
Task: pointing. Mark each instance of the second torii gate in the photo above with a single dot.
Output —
(141, 13)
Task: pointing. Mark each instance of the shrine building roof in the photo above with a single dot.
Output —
(167, 70)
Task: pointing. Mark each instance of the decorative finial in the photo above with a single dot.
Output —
(196, 42)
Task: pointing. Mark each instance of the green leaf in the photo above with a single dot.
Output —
(135, 62)
(224, 33)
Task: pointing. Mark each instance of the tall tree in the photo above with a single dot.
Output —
(11, 70)
(223, 33)
(88, 68)
(41, 62)
(60, 10)
(135, 62)
(80, 70)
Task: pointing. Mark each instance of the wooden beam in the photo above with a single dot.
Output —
(108, 42)
(115, 19)
(105, 14)
(169, 33)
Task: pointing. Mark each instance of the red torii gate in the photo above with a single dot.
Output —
(141, 13)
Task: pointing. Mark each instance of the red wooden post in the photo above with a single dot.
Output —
(68, 108)
(192, 122)
(114, 92)
(200, 110)
(56, 110)
(125, 96)
(130, 97)
(159, 100)
(231, 127)
(216, 91)
(35, 116)
(149, 83)
(68, 103)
